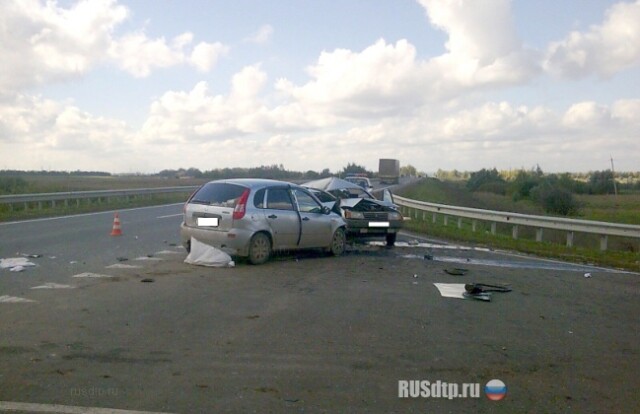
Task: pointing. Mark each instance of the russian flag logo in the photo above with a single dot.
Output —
(495, 390)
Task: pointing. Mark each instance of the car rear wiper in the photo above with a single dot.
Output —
(200, 202)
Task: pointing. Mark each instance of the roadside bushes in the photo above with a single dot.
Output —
(555, 199)
(13, 185)
(554, 193)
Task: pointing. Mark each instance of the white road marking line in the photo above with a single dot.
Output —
(170, 215)
(87, 214)
(65, 409)
(14, 299)
(148, 258)
(89, 274)
(122, 266)
(53, 286)
(167, 252)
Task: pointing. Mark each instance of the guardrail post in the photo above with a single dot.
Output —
(474, 225)
(514, 232)
(446, 219)
(493, 228)
(603, 242)
(415, 213)
(539, 235)
(570, 239)
(26, 206)
(53, 203)
(66, 202)
(459, 223)
(434, 218)
(424, 216)
(77, 202)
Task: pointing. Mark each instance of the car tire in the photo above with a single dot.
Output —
(338, 242)
(259, 249)
(391, 239)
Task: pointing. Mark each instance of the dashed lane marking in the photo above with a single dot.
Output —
(53, 286)
(122, 266)
(91, 275)
(14, 299)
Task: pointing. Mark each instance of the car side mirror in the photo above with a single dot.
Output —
(326, 210)
(387, 196)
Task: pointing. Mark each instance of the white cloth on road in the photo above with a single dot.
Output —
(204, 255)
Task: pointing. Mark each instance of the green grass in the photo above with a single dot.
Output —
(621, 253)
(53, 184)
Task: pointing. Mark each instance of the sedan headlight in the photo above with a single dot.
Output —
(353, 214)
(395, 216)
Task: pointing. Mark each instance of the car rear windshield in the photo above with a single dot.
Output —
(218, 194)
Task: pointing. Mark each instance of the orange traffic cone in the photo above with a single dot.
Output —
(116, 231)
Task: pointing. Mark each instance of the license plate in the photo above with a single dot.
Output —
(378, 224)
(208, 221)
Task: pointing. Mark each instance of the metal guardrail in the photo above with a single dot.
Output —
(601, 228)
(98, 194)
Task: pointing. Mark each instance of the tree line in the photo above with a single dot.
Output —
(554, 192)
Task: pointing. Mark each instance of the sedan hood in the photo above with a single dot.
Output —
(353, 202)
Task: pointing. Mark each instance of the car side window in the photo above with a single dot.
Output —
(306, 203)
(258, 198)
(279, 199)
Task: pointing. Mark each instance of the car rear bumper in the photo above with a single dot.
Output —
(234, 241)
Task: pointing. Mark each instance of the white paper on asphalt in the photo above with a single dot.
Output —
(12, 262)
(451, 290)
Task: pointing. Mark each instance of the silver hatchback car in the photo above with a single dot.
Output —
(254, 217)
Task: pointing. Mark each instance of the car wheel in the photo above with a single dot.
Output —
(391, 239)
(338, 242)
(259, 249)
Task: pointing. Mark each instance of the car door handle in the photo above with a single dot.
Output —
(273, 216)
(305, 219)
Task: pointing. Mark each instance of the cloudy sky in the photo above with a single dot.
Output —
(141, 86)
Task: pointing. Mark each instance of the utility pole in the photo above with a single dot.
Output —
(613, 172)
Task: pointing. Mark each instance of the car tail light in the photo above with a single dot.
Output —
(241, 206)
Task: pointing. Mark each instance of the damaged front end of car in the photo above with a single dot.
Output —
(371, 218)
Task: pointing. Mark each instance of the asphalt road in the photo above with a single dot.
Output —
(302, 333)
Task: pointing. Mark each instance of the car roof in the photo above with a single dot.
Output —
(253, 182)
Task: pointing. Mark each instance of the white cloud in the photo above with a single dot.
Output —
(483, 46)
(205, 55)
(389, 80)
(603, 50)
(138, 55)
(46, 42)
(40, 43)
(263, 35)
